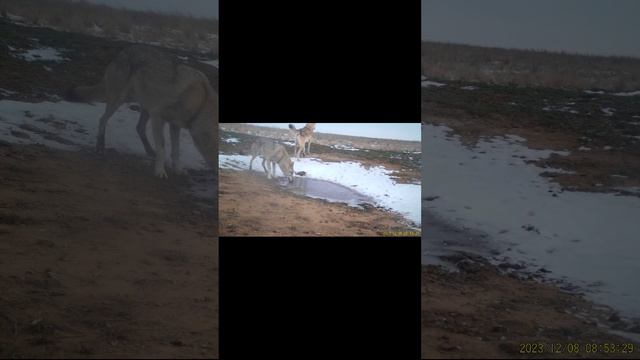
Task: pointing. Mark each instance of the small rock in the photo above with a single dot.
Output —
(529, 227)
(448, 347)
(469, 266)
(498, 328)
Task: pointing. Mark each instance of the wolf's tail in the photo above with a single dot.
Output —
(86, 93)
(292, 127)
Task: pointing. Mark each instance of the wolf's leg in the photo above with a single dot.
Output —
(309, 147)
(116, 91)
(157, 125)
(251, 162)
(141, 128)
(264, 160)
(298, 148)
(108, 112)
(174, 130)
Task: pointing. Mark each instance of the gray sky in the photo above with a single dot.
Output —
(199, 8)
(604, 27)
(397, 131)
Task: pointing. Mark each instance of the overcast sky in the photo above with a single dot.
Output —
(606, 27)
(199, 8)
(397, 131)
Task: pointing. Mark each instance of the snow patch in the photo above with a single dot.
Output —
(211, 62)
(348, 147)
(608, 111)
(628, 93)
(428, 83)
(42, 54)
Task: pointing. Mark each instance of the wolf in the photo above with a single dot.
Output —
(302, 137)
(272, 153)
(168, 92)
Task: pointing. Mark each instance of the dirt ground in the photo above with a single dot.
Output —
(102, 260)
(251, 204)
(480, 312)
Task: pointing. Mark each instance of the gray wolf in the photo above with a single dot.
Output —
(303, 137)
(168, 92)
(272, 153)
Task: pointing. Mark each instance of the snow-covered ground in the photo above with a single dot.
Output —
(590, 239)
(427, 83)
(628, 93)
(374, 181)
(348, 147)
(623, 93)
(69, 126)
(231, 140)
(211, 62)
(560, 109)
(40, 54)
(608, 111)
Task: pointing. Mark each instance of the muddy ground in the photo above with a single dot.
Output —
(481, 312)
(251, 204)
(604, 146)
(102, 260)
(473, 308)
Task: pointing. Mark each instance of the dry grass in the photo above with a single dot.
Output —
(139, 26)
(529, 68)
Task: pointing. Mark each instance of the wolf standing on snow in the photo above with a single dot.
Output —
(272, 153)
(168, 92)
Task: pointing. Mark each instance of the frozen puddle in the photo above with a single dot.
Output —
(326, 190)
(588, 239)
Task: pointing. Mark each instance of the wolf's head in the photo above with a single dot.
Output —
(286, 165)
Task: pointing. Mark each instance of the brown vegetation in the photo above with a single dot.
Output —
(456, 62)
(181, 31)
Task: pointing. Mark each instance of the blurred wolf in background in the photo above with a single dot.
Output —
(168, 92)
(302, 137)
(272, 153)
